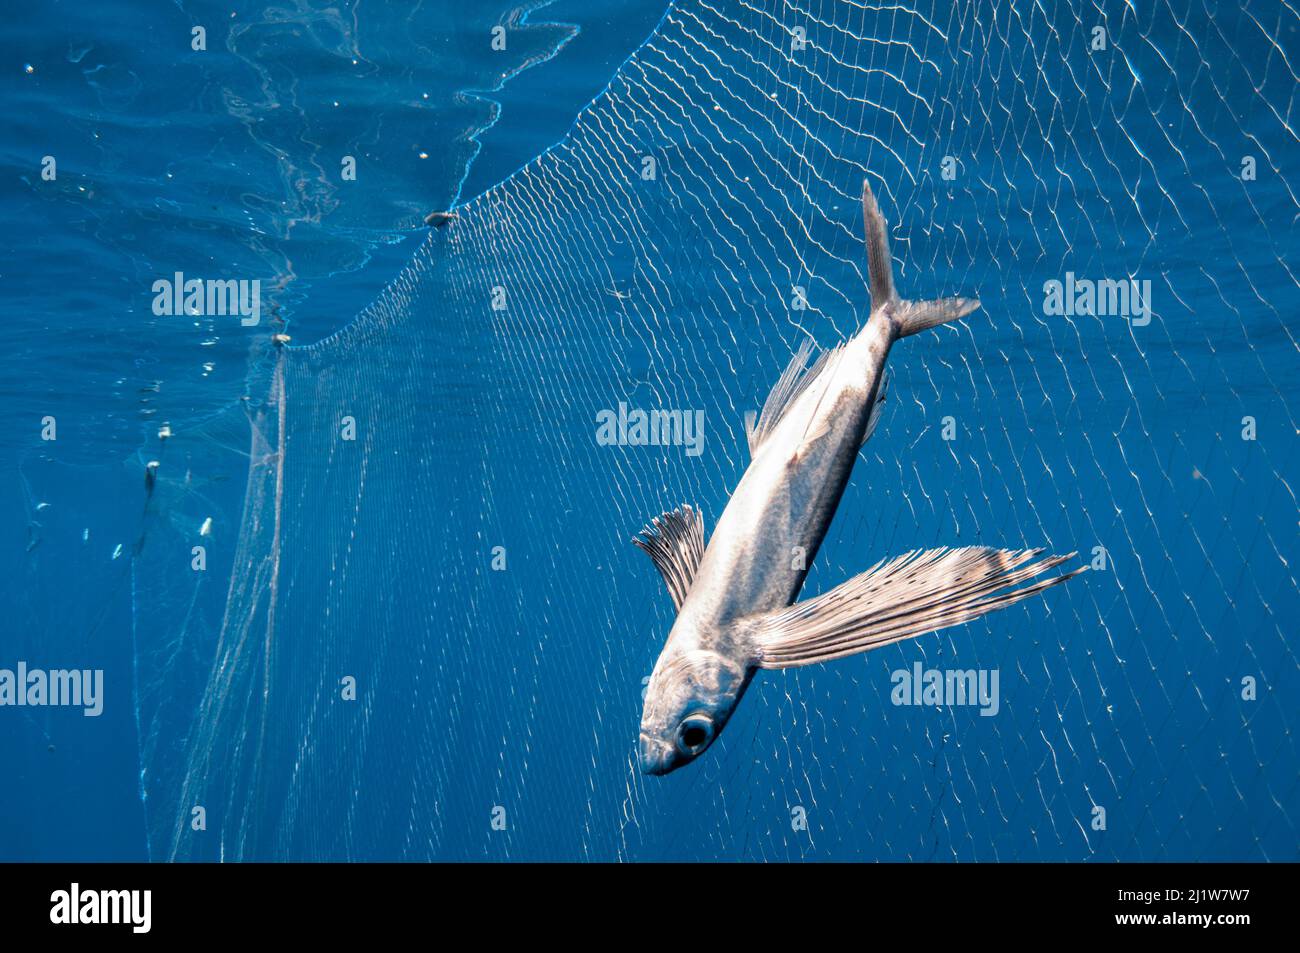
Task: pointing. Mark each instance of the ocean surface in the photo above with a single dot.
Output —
(367, 593)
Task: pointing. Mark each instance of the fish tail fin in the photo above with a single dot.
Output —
(909, 317)
(880, 266)
(911, 595)
(914, 316)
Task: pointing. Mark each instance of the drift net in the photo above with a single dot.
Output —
(431, 516)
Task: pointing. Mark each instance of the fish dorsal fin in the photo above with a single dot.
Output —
(794, 380)
(675, 541)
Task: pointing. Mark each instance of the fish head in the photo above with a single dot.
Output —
(691, 694)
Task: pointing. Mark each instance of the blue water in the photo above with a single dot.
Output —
(521, 690)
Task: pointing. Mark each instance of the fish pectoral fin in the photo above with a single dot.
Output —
(909, 595)
(675, 541)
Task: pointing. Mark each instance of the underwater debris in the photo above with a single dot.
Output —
(280, 339)
(440, 219)
(150, 476)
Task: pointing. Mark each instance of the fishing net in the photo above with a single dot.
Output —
(436, 634)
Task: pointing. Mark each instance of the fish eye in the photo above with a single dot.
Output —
(694, 733)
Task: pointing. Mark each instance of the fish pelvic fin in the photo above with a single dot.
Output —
(882, 394)
(908, 317)
(910, 595)
(675, 542)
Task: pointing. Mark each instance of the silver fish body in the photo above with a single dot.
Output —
(759, 554)
(736, 597)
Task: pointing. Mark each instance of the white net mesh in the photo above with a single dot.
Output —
(1007, 151)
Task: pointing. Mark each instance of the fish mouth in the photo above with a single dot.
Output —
(656, 757)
